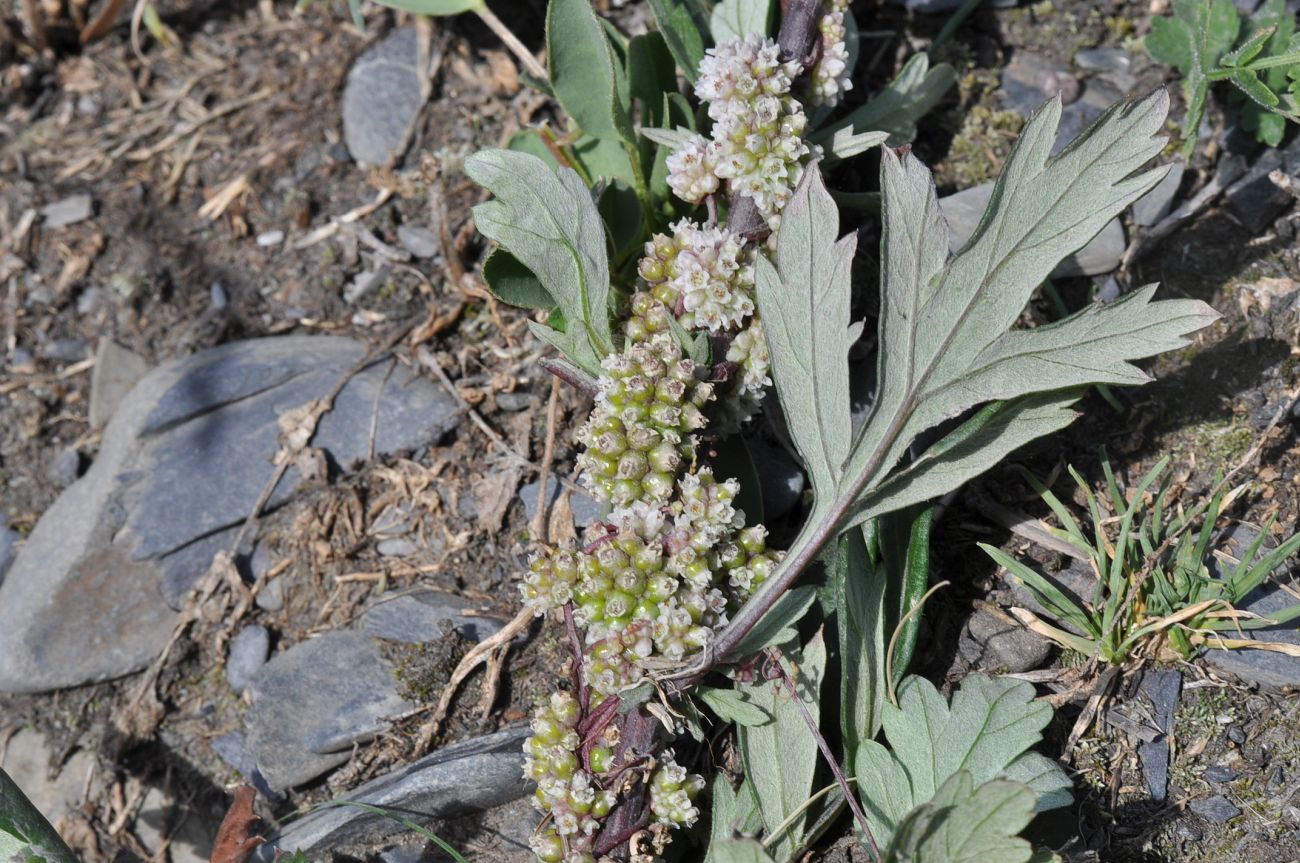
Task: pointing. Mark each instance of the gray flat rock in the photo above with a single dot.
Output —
(92, 594)
(420, 242)
(385, 90)
(1156, 204)
(460, 779)
(1263, 666)
(313, 701)
(420, 616)
(1255, 200)
(1102, 254)
(116, 371)
(55, 792)
(1108, 59)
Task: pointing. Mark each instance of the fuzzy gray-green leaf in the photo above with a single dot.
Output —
(781, 755)
(545, 218)
(25, 834)
(965, 824)
(987, 731)
(966, 453)
(804, 300)
(944, 322)
(583, 69)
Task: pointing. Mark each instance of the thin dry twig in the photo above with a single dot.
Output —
(475, 657)
(429, 361)
(497, 26)
(538, 527)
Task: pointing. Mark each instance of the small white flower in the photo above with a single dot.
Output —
(691, 170)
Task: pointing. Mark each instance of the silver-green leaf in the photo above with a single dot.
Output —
(987, 731)
(810, 282)
(896, 109)
(545, 217)
(731, 705)
(966, 824)
(945, 345)
(780, 756)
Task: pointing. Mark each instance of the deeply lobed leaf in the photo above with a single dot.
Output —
(986, 732)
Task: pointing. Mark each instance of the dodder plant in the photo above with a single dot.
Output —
(677, 330)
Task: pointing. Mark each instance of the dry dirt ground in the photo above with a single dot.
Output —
(192, 152)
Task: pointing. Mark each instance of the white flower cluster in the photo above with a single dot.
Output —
(706, 275)
(748, 350)
(830, 76)
(757, 140)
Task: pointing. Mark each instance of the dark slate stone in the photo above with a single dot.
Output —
(1156, 204)
(94, 591)
(420, 616)
(1269, 599)
(1218, 774)
(1217, 809)
(316, 699)
(999, 645)
(1031, 79)
(585, 508)
(1161, 690)
(460, 779)
(385, 90)
(248, 652)
(1255, 200)
(964, 210)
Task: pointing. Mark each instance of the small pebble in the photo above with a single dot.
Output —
(65, 350)
(1236, 735)
(69, 211)
(397, 547)
(88, 301)
(271, 596)
(248, 651)
(514, 401)
(65, 468)
(217, 296)
(1218, 774)
(270, 238)
(420, 242)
